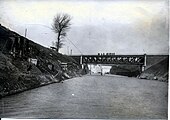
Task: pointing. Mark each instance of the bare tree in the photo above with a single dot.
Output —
(60, 26)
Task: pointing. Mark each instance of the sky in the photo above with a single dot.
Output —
(103, 26)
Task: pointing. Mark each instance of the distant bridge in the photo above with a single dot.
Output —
(111, 59)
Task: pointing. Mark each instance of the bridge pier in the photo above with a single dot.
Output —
(85, 68)
(81, 62)
(143, 68)
(144, 65)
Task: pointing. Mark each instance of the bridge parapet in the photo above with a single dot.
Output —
(138, 60)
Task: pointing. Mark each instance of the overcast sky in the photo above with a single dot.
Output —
(114, 26)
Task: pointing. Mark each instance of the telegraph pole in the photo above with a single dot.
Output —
(25, 32)
(71, 52)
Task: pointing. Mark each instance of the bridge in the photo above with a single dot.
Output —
(111, 59)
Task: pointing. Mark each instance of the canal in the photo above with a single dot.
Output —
(90, 97)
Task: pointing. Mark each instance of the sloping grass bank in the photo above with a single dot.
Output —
(158, 71)
(15, 78)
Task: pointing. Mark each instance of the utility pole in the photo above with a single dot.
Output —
(25, 32)
(71, 52)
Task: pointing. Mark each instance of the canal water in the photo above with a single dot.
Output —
(90, 97)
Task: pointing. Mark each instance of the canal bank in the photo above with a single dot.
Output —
(16, 78)
(25, 64)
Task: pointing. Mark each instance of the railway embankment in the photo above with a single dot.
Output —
(157, 68)
(25, 64)
(158, 71)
